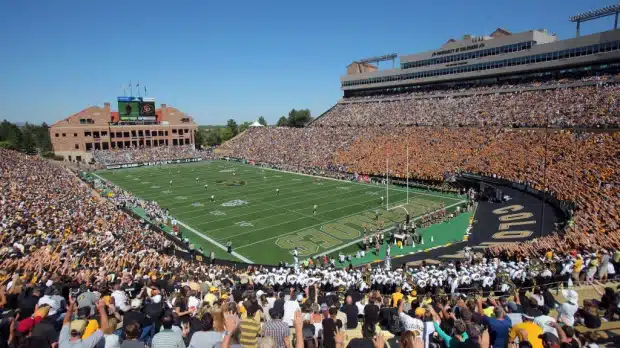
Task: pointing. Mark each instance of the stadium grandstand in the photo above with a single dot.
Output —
(519, 130)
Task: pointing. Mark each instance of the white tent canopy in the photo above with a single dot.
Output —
(256, 124)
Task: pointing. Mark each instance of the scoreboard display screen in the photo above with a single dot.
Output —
(129, 111)
(136, 109)
(147, 108)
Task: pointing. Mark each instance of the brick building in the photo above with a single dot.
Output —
(98, 128)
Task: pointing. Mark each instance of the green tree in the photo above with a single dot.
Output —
(232, 126)
(199, 138)
(28, 143)
(244, 126)
(42, 138)
(6, 145)
(11, 134)
(212, 137)
(262, 121)
(282, 122)
(226, 134)
(299, 118)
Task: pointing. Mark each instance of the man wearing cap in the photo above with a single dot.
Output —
(134, 315)
(211, 297)
(71, 332)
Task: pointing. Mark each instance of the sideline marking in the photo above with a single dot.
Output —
(199, 234)
(214, 242)
(447, 196)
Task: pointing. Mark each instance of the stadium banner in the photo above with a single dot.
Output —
(155, 163)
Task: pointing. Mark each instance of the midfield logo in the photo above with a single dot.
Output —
(234, 203)
(244, 224)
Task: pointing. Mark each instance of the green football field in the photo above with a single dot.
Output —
(262, 226)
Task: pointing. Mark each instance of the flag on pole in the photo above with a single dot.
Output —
(145, 91)
(130, 88)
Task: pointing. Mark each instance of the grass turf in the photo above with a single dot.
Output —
(265, 227)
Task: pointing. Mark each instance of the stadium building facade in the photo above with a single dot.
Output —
(98, 128)
(488, 59)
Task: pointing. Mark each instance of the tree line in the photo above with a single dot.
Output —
(211, 136)
(28, 138)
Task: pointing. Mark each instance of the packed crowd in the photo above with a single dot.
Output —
(588, 106)
(75, 271)
(145, 154)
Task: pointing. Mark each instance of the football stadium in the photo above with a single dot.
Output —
(468, 196)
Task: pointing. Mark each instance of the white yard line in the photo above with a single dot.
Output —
(199, 234)
(214, 242)
(263, 210)
(340, 247)
(311, 226)
(194, 210)
(353, 182)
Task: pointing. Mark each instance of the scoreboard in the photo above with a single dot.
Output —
(136, 109)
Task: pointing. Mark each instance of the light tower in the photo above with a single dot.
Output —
(596, 14)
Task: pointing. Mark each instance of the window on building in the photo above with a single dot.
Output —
(126, 134)
(104, 133)
(133, 133)
(174, 131)
(82, 121)
(77, 146)
(95, 134)
(89, 146)
(140, 133)
(185, 130)
(64, 135)
(97, 146)
(175, 142)
(75, 135)
(166, 134)
(87, 134)
(90, 121)
(111, 134)
(105, 146)
(56, 135)
(119, 134)
(147, 133)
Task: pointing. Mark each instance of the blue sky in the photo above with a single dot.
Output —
(241, 59)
